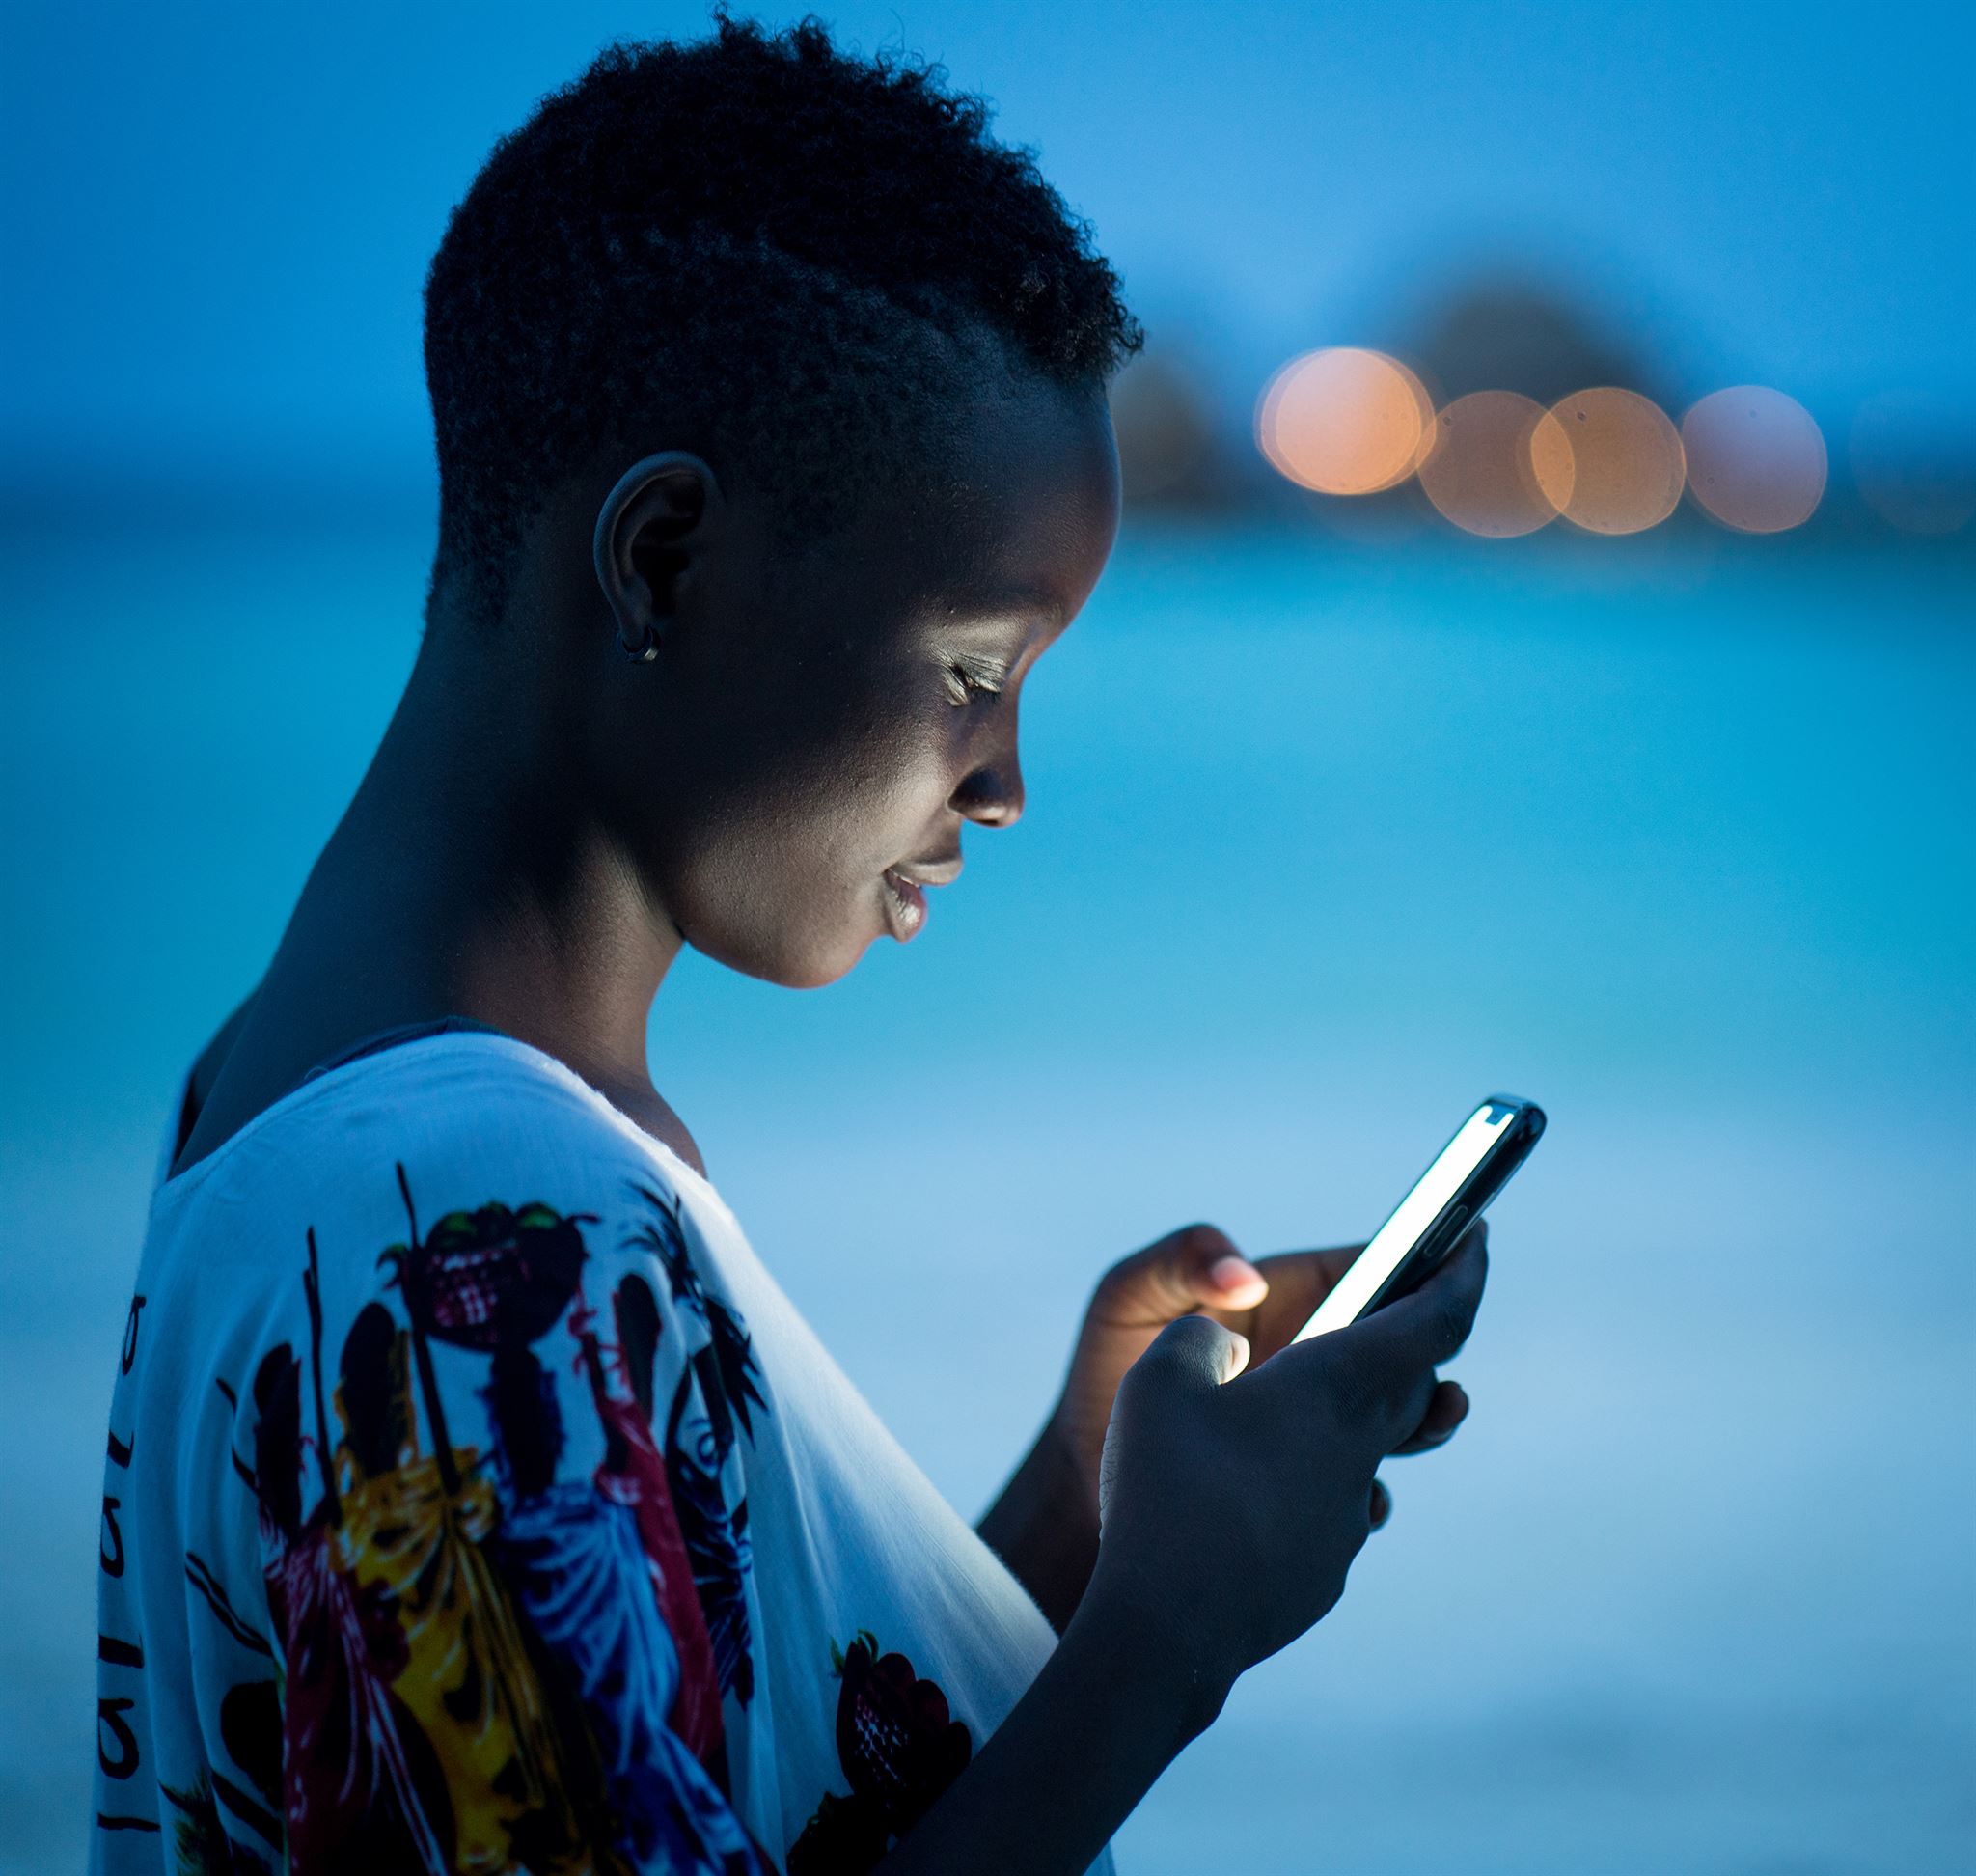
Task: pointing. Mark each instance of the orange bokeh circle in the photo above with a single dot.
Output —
(1500, 465)
(1628, 460)
(1344, 421)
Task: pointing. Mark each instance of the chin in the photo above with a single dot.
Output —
(813, 974)
(802, 960)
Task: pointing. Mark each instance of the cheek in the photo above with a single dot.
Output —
(773, 858)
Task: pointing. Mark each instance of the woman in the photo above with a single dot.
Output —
(476, 1501)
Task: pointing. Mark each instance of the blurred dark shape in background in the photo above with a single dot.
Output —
(1176, 455)
(1913, 459)
(1516, 332)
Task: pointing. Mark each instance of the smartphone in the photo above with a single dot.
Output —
(1467, 1174)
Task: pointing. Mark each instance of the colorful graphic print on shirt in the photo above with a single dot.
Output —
(899, 1748)
(479, 1662)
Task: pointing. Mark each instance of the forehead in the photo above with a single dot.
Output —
(1015, 512)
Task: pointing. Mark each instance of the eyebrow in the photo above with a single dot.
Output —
(1020, 607)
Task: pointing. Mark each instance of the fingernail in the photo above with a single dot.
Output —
(1238, 1354)
(1230, 1272)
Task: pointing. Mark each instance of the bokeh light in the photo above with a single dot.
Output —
(1627, 457)
(1345, 421)
(1914, 463)
(1756, 460)
(1500, 464)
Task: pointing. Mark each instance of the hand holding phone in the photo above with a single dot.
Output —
(1233, 1497)
(1447, 1198)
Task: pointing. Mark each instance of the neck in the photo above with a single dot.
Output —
(470, 878)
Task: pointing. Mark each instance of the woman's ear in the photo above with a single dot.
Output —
(651, 527)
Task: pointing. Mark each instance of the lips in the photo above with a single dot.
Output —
(905, 904)
(905, 891)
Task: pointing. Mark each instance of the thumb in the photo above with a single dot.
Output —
(1192, 1353)
(1185, 1270)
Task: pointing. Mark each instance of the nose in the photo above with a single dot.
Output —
(991, 795)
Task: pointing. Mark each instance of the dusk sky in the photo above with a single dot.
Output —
(221, 217)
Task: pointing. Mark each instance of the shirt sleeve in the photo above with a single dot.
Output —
(500, 1489)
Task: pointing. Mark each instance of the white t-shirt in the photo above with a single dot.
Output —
(476, 1501)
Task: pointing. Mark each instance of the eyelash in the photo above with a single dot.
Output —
(965, 677)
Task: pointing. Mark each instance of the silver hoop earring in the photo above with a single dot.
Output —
(645, 651)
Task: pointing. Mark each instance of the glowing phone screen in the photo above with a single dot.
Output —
(1395, 1240)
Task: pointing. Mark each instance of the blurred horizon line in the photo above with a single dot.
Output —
(307, 490)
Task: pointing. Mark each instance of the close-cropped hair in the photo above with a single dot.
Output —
(786, 257)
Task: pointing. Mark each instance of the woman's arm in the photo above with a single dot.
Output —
(1110, 1710)
(1233, 1506)
(1045, 1526)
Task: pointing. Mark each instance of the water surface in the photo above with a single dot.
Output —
(1323, 843)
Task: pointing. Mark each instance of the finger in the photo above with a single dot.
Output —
(1428, 1325)
(1194, 1353)
(1195, 1268)
(1382, 1367)
(1382, 1505)
(1299, 1282)
(1391, 1356)
(1378, 1396)
(1445, 1410)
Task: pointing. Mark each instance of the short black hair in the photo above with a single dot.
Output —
(783, 253)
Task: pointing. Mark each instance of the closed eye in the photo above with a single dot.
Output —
(968, 677)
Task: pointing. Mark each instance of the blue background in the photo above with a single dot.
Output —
(220, 217)
(1326, 838)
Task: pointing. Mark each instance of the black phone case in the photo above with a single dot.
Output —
(1470, 1197)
